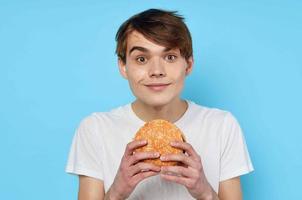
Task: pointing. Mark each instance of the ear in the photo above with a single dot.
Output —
(189, 68)
(122, 68)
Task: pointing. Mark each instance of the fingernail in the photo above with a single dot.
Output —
(173, 143)
(162, 157)
(143, 142)
(156, 154)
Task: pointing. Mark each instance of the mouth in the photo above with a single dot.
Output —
(157, 86)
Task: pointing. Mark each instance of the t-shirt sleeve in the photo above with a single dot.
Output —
(235, 160)
(86, 150)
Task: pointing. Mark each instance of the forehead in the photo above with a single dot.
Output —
(137, 39)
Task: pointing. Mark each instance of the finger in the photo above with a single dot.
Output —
(131, 146)
(178, 171)
(143, 167)
(143, 175)
(177, 179)
(139, 156)
(185, 146)
(186, 160)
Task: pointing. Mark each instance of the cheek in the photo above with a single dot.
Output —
(135, 75)
(178, 75)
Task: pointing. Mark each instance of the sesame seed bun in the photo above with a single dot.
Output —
(159, 133)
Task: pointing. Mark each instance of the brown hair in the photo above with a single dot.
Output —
(165, 28)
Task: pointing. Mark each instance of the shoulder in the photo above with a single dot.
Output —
(216, 122)
(113, 114)
(210, 114)
(97, 120)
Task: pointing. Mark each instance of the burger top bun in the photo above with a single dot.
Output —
(159, 133)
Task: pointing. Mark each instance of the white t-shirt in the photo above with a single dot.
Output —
(100, 140)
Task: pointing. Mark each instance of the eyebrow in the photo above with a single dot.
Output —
(143, 49)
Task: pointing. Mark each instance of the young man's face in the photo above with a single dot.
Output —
(156, 74)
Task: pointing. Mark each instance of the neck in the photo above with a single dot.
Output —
(170, 112)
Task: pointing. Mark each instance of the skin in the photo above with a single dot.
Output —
(147, 64)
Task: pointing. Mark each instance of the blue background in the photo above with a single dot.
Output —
(57, 65)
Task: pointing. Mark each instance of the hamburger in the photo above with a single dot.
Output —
(159, 133)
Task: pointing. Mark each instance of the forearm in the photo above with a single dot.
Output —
(212, 196)
(109, 195)
(209, 195)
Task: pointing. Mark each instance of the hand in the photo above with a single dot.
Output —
(189, 173)
(131, 170)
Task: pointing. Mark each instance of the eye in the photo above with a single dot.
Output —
(141, 59)
(171, 58)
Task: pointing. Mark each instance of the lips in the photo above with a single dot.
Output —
(157, 86)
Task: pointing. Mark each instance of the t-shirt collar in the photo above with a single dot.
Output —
(134, 118)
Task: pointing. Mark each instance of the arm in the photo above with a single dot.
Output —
(191, 175)
(230, 189)
(90, 188)
(130, 173)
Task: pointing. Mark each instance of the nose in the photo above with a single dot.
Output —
(157, 68)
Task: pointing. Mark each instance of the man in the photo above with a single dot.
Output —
(154, 51)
